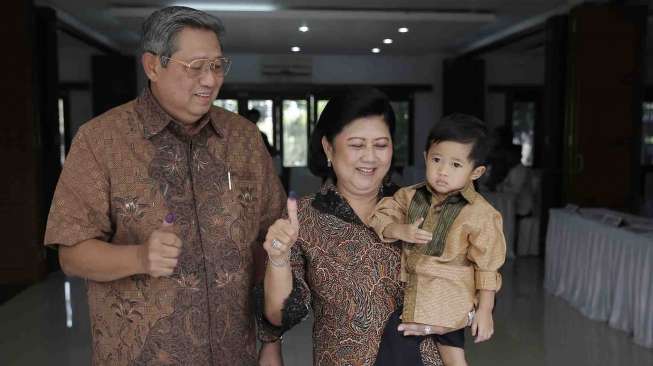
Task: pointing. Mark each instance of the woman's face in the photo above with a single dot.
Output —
(360, 156)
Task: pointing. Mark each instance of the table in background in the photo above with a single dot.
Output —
(605, 272)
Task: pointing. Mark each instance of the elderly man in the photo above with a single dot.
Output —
(161, 204)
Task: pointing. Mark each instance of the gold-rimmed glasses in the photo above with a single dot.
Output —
(196, 68)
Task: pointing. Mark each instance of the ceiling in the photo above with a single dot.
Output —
(336, 26)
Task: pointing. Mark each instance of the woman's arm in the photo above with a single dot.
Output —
(278, 286)
(278, 281)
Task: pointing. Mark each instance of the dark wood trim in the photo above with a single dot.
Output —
(75, 85)
(515, 88)
(23, 275)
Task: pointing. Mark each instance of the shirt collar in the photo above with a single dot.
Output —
(468, 193)
(329, 201)
(154, 118)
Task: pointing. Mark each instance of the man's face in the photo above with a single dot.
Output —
(185, 98)
(448, 167)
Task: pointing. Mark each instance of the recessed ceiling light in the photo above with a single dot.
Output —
(403, 30)
(387, 41)
(303, 28)
(376, 50)
(295, 49)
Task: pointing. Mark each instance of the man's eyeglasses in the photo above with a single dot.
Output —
(196, 68)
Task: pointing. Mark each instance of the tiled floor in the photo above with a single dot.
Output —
(532, 328)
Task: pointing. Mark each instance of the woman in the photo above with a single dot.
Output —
(324, 257)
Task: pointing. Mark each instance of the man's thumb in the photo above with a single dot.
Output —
(168, 220)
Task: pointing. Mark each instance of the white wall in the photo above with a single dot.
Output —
(340, 69)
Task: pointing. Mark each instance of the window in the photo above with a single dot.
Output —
(228, 104)
(320, 107)
(523, 124)
(401, 138)
(288, 119)
(295, 133)
(265, 124)
(62, 129)
(521, 113)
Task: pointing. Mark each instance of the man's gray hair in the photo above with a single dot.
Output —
(160, 29)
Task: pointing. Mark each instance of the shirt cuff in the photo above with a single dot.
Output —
(294, 311)
(488, 280)
(378, 225)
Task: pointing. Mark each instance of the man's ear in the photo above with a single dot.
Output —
(478, 172)
(151, 65)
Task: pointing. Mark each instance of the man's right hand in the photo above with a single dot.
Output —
(410, 233)
(159, 255)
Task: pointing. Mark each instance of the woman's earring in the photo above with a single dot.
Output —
(329, 163)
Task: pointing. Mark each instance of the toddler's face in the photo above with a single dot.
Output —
(448, 167)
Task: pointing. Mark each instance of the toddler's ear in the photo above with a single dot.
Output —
(478, 172)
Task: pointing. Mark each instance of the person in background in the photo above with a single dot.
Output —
(519, 181)
(254, 116)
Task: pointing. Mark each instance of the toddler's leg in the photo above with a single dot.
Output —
(452, 356)
(452, 347)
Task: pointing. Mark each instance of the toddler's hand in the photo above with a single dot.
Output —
(410, 233)
(482, 325)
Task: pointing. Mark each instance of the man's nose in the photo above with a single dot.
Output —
(209, 78)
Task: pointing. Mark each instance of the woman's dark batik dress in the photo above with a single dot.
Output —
(348, 277)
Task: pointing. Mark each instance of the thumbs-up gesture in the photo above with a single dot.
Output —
(283, 234)
(410, 233)
(159, 255)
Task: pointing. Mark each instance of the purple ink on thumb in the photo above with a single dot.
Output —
(170, 218)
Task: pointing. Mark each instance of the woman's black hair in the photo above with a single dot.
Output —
(340, 111)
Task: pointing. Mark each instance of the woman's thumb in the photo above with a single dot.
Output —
(292, 209)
